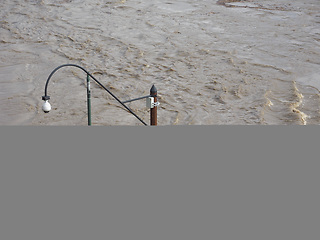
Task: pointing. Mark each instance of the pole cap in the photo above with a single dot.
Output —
(153, 90)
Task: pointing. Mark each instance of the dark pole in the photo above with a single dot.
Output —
(89, 100)
(153, 111)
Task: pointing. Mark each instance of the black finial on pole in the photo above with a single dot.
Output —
(153, 90)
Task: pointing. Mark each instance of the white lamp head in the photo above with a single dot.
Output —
(46, 107)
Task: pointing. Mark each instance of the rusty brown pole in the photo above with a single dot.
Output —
(153, 111)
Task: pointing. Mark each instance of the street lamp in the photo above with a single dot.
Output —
(46, 107)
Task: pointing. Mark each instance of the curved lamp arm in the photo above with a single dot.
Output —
(46, 97)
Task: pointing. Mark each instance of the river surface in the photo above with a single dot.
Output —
(213, 62)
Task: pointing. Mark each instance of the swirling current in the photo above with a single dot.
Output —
(213, 62)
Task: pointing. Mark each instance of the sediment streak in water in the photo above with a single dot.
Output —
(212, 64)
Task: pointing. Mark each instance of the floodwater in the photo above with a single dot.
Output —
(213, 62)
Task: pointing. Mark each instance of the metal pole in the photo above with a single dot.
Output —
(89, 100)
(153, 111)
(132, 100)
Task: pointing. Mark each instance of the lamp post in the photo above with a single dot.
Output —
(89, 100)
(46, 107)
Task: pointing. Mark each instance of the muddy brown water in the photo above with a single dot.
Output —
(240, 62)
